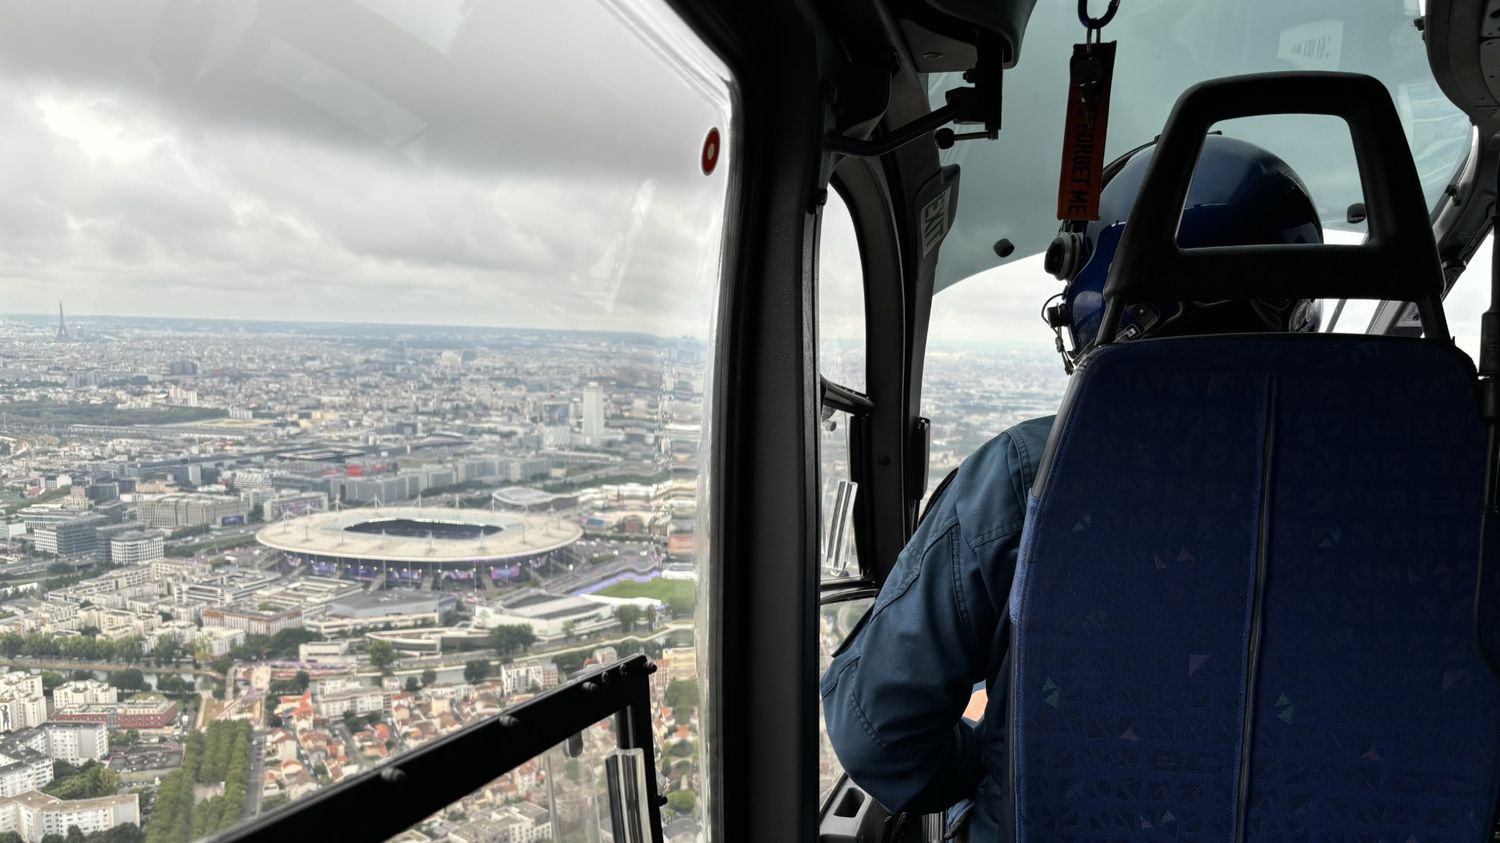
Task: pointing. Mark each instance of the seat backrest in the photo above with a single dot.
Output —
(1244, 598)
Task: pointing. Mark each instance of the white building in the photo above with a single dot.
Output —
(36, 815)
(86, 692)
(520, 677)
(218, 641)
(75, 743)
(593, 414)
(360, 702)
(551, 617)
(21, 703)
(137, 548)
(184, 509)
(326, 652)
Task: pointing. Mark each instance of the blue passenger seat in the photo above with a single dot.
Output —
(1244, 602)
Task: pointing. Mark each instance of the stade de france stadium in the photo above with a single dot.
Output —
(407, 544)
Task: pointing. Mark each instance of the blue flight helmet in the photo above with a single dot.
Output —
(1241, 195)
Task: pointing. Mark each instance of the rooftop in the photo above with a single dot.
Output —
(456, 535)
(388, 600)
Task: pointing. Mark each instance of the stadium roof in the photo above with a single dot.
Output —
(329, 534)
(524, 496)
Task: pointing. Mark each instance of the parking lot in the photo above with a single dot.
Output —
(143, 757)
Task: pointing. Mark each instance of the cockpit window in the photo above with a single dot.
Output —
(1469, 298)
(356, 383)
(1010, 184)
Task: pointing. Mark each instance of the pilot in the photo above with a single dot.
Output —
(895, 696)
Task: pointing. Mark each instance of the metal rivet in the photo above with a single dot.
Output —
(508, 721)
(392, 775)
(590, 687)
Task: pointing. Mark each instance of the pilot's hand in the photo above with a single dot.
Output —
(977, 703)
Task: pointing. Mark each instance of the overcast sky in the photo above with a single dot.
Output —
(522, 163)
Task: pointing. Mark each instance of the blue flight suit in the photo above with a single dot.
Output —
(894, 695)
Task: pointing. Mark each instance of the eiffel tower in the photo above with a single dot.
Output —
(62, 325)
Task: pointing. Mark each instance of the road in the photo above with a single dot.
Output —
(352, 748)
(257, 773)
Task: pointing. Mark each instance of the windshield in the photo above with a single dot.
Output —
(355, 384)
(1010, 184)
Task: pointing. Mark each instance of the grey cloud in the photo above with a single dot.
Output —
(548, 86)
(188, 185)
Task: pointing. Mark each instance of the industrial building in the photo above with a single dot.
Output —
(551, 617)
(70, 538)
(179, 510)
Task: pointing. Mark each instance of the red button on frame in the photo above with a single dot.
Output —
(710, 157)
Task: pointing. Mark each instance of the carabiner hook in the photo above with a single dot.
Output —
(1096, 24)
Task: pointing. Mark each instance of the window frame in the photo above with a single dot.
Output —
(417, 784)
(859, 406)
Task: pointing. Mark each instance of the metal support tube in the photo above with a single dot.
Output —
(1489, 397)
(894, 140)
(381, 803)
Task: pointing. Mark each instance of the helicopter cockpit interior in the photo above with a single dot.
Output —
(766, 277)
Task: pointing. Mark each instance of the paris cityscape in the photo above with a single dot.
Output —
(244, 561)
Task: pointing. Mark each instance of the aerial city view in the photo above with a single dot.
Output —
(245, 561)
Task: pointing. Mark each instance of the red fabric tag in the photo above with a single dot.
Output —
(1083, 139)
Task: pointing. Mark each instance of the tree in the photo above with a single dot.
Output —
(170, 684)
(476, 670)
(286, 643)
(123, 833)
(129, 649)
(511, 638)
(682, 694)
(51, 679)
(628, 615)
(682, 801)
(87, 782)
(411, 684)
(429, 676)
(168, 649)
(130, 679)
(81, 675)
(569, 663)
(651, 617)
(382, 654)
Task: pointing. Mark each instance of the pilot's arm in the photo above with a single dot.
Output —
(894, 697)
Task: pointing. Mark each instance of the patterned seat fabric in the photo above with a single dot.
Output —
(1243, 606)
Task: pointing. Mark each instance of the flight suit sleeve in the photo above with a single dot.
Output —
(894, 696)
